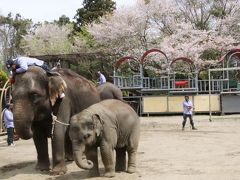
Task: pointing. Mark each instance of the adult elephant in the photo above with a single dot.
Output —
(109, 91)
(36, 96)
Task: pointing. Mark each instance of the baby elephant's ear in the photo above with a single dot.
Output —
(56, 87)
(98, 123)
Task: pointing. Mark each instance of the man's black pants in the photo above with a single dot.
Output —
(185, 116)
(10, 136)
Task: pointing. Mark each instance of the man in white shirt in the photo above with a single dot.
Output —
(102, 78)
(21, 64)
(187, 112)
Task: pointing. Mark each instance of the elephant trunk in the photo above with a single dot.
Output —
(23, 117)
(78, 157)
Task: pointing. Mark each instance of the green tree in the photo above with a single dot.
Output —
(11, 31)
(210, 54)
(92, 11)
(3, 78)
(63, 20)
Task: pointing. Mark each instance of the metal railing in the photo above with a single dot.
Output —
(164, 83)
(217, 85)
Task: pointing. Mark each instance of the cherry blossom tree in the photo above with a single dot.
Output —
(133, 30)
(195, 29)
(230, 23)
(201, 30)
(193, 43)
(50, 38)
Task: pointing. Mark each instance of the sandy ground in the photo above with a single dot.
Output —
(165, 152)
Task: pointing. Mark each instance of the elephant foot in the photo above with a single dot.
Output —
(120, 168)
(109, 174)
(69, 158)
(59, 170)
(42, 166)
(131, 169)
(93, 173)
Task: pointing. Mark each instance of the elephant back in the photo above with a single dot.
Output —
(109, 91)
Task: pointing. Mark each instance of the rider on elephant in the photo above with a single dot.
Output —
(40, 114)
(21, 64)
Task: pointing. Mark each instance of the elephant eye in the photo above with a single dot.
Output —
(35, 97)
(90, 126)
(86, 136)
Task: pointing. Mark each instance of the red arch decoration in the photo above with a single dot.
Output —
(122, 59)
(183, 59)
(150, 51)
(232, 51)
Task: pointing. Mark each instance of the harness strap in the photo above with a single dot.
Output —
(54, 120)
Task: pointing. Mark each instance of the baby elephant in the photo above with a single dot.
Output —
(109, 124)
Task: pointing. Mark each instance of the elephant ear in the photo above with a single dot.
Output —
(98, 124)
(56, 86)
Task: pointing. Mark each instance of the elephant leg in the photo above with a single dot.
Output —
(120, 159)
(132, 150)
(58, 140)
(68, 148)
(107, 158)
(131, 160)
(58, 150)
(41, 144)
(92, 154)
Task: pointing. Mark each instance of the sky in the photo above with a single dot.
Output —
(47, 10)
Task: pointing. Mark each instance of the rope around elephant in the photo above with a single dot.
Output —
(54, 120)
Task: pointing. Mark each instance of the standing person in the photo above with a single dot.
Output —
(102, 78)
(187, 113)
(8, 120)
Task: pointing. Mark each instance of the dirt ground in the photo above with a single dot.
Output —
(165, 152)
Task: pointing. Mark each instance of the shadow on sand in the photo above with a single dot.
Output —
(28, 167)
(11, 170)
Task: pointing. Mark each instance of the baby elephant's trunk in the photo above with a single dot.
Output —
(80, 161)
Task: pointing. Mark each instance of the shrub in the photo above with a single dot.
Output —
(3, 78)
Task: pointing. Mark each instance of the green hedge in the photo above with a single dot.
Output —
(3, 78)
